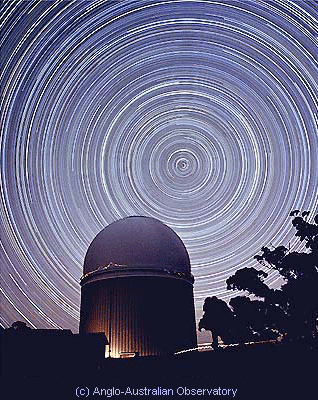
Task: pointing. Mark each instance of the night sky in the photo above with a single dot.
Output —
(202, 114)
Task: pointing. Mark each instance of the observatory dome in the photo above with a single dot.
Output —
(137, 241)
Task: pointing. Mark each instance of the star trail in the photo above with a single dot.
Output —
(202, 114)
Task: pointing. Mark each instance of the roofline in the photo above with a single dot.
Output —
(124, 271)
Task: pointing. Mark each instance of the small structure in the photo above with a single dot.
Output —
(50, 352)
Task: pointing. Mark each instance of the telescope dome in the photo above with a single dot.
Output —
(137, 241)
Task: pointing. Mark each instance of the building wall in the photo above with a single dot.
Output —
(148, 315)
(50, 352)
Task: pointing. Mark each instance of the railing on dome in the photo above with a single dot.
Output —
(136, 267)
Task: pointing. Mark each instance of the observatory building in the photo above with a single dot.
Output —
(137, 288)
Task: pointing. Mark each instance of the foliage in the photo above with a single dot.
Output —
(257, 319)
(217, 318)
(292, 310)
(249, 279)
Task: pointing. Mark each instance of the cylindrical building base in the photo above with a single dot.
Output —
(144, 315)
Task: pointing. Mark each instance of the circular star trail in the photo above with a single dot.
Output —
(202, 114)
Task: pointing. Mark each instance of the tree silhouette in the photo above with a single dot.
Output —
(290, 312)
(249, 279)
(217, 318)
(294, 307)
(19, 327)
(256, 319)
